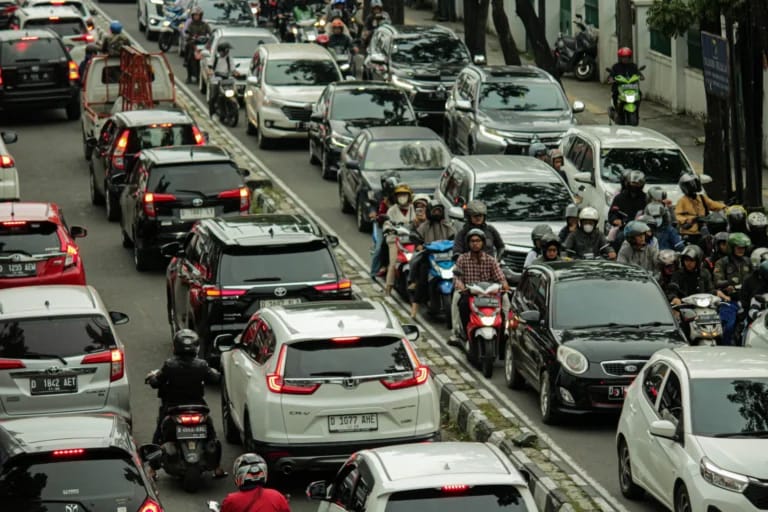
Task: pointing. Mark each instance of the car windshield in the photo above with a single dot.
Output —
(406, 155)
(366, 104)
(621, 302)
(30, 50)
(366, 356)
(243, 47)
(62, 26)
(485, 498)
(225, 10)
(301, 72)
(524, 201)
(30, 238)
(63, 336)
(521, 96)
(270, 264)
(729, 406)
(429, 50)
(208, 179)
(659, 165)
(94, 482)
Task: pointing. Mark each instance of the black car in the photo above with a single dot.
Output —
(169, 189)
(344, 109)
(37, 72)
(226, 269)
(423, 60)
(122, 137)
(584, 331)
(417, 153)
(218, 13)
(73, 463)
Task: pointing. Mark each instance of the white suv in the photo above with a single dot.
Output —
(449, 477)
(307, 385)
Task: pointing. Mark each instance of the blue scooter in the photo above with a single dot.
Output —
(440, 278)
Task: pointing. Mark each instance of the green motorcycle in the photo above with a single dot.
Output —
(628, 100)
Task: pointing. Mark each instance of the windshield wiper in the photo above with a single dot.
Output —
(331, 374)
(261, 280)
(609, 324)
(37, 355)
(754, 433)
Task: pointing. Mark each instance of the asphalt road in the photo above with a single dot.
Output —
(50, 160)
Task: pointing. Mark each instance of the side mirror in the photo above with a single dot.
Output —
(78, 232)
(317, 490)
(316, 118)
(252, 80)
(171, 250)
(664, 428)
(244, 172)
(353, 164)
(150, 452)
(10, 137)
(532, 317)
(705, 179)
(641, 68)
(224, 342)
(456, 212)
(479, 60)
(333, 240)
(583, 177)
(578, 106)
(464, 105)
(411, 331)
(118, 318)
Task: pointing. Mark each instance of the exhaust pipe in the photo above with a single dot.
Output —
(287, 468)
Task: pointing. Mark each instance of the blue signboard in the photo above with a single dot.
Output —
(714, 53)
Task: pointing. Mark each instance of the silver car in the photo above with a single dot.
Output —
(9, 175)
(59, 353)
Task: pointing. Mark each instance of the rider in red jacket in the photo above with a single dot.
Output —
(250, 472)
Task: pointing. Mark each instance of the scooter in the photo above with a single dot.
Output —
(406, 248)
(226, 104)
(170, 28)
(485, 330)
(577, 55)
(628, 100)
(343, 60)
(701, 319)
(193, 60)
(440, 278)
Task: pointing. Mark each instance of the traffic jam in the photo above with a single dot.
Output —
(580, 268)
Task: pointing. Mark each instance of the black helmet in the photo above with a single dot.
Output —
(389, 180)
(693, 252)
(476, 207)
(716, 222)
(689, 184)
(474, 232)
(634, 179)
(186, 342)
(762, 270)
(737, 218)
(550, 239)
(224, 47)
(539, 231)
(250, 470)
(434, 204)
(721, 237)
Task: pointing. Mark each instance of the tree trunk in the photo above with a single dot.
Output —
(506, 41)
(475, 23)
(534, 30)
(624, 23)
(750, 46)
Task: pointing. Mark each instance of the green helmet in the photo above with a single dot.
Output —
(739, 240)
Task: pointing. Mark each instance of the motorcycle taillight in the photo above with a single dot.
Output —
(189, 419)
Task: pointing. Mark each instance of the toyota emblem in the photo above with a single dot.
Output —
(197, 202)
(280, 291)
(630, 368)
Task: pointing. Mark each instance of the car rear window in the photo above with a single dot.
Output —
(57, 3)
(295, 263)
(345, 357)
(159, 135)
(30, 50)
(480, 497)
(65, 336)
(62, 26)
(29, 238)
(95, 481)
(207, 179)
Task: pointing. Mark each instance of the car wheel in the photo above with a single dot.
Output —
(346, 207)
(140, 258)
(127, 242)
(96, 197)
(73, 110)
(326, 173)
(231, 434)
(142, 25)
(628, 487)
(363, 224)
(682, 500)
(250, 128)
(511, 373)
(113, 209)
(312, 157)
(249, 443)
(546, 400)
(262, 140)
(86, 149)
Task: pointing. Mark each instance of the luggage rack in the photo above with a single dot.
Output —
(136, 76)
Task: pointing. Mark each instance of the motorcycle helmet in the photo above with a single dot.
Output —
(656, 194)
(402, 188)
(721, 238)
(474, 232)
(186, 342)
(650, 221)
(762, 270)
(756, 221)
(548, 240)
(224, 48)
(337, 23)
(422, 200)
(337, 2)
(589, 213)
(624, 51)
(689, 184)
(196, 10)
(738, 240)
(115, 27)
(716, 222)
(537, 150)
(633, 179)
(377, 3)
(667, 257)
(249, 470)
(91, 49)
(737, 218)
(436, 210)
(476, 207)
(389, 181)
(693, 252)
(539, 231)
(635, 228)
(322, 39)
(555, 154)
(759, 255)
(572, 211)
(658, 212)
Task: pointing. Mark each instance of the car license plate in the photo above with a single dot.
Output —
(18, 269)
(353, 422)
(617, 392)
(279, 302)
(197, 213)
(53, 385)
(196, 432)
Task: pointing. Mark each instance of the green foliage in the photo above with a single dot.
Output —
(673, 18)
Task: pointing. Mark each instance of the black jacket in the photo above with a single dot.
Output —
(182, 380)
(493, 239)
(625, 206)
(684, 283)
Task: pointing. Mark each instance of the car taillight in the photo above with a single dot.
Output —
(118, 157)
(344, 284)
(116, 359)
(199, 139)
(420, 372)
(346, 339)
(243, 193)
(189, 419)
(1, 77)
(6, 161)
(10, 10)
(150, 505)
(214, 292)
(149, 200)
(11, 364)
(455, 488)
(71, 256)
(72, 452)
(84, 38)
(276, 384)
(74, 73)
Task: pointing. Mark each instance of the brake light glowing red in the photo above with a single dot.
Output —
(68, 453)
(276, 384)
(344, 284)
(199, 139)
(86, 38)
(1, 77)
(212, 292)
(30, 38)
(346, 339)
(243, 193)
(114, 357)
(10, 223)
(455, 488)
(420, 372)
(149, 200)
(53, 18)
(189, 419)
(11, 364)
(150, 505)
(71, 257)
(6, 161)
(118, 157)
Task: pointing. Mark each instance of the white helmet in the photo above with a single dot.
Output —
(759, 255)
(589, 213)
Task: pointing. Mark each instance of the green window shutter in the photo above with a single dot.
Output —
(592, 12)
(693, 38)
(661, 44)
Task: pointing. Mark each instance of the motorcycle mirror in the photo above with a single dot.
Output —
(479, 60)
(150, 452)
(705, 179)
(10, 137)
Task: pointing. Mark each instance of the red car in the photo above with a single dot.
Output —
(37, 246)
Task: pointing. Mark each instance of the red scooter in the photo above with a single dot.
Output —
(484, 333)
(406, 248)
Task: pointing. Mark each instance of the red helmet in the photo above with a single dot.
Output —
(322, 39)
(625, 52)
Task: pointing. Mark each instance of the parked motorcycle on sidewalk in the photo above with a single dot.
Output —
(628, 100)
(486, 329)
(577, 55)
(700, 318)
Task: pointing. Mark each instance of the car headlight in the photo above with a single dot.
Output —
(340, 140)
(403, 84)
(229, 93)
(722, 478)
(572, 360)
(493, 132)
(166, 23)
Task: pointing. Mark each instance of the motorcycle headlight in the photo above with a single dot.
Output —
(630, 98)
(722, 478)
(572, 360)
(311, 37)
(402, 83)
(488, 321)
(295, 30)
(229, 93)
(166, 23)
(702, 302)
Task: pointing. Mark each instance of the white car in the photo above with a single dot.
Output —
(150, 15)
(449, 477)
(596, 156)
(85, 9)
(9, 175)
(693, 430)
(306, 385)
(75, 29)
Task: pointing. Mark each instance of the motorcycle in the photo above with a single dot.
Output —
(170, 28)
(628, 100)
(406, 248)
(193, 60)
(577, 55)
(226, 104)
(343, 60)
(701, 319)
(757, 331)
(485, 330)
(440, 278)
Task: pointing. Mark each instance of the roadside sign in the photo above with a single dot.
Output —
(714, 53)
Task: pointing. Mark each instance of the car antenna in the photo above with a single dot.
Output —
(271, 233)
(340, 325)
(13, 210)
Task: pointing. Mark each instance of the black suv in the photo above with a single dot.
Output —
(423, 60)
(582, 330)
(227, 269)
(36, 71)
(170, 189)
(344, 109)
(122, 137)
(501, 109)
(74, 463)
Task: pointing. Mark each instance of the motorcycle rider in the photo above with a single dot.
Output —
(338, 41)
(301, 11)
(635, 249)
(220, 69)
(420, 206)
(114, 42)
(538, 150)
(374, 20)
(730, 273)
(556, 159)
(336, 10)
(538, 232)
(692, 277)
(587, 240)
(692, 205)
(250, 472)
(389, 180)
(624, 67)
(756, 282)
(550, 249)
(90, 52)
(664, 232)
(181, 381)
(756, 229)
(193, 28)
(399, 214)
(667, 266)
(571, 221)
(719, 250)
(475, 214)
(630, 200)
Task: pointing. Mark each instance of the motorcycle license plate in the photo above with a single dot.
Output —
(486, 302)
(617, 392)
(196, 432)
(442, 257)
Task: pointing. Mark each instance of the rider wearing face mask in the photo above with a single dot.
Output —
(630, 200)
(587, 241)
(399, 214)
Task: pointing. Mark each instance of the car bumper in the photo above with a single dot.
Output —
(72, 276)
(709, 498)
(510, 144)
(333, 155)
(153, 236)
(277, 125)
(582, 395)
(51, 98)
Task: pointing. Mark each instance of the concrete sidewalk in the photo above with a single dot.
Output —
(687, 131)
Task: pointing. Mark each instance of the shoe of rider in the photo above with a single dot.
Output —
(250, 473)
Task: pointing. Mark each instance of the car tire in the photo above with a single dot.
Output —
(546, 400)
(345, 205)
(142, 25)
(231, 434)
(512, 375)
(248, 441)
(96, 197)
(312, 157)
(262, 140)
(112, 207)
(682, 499)
(326, 173)
(363, 225)
(86, 150)
(73, 110)
(140, 257)
(127, 242)
(250, 128)
(628, 487)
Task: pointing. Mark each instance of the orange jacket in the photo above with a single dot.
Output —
(687, 209)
